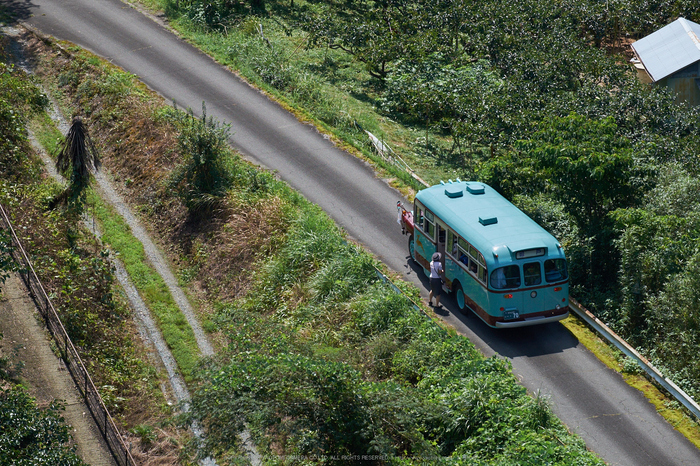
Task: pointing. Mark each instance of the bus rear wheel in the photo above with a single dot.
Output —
(460, 299)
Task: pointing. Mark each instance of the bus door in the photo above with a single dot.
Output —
(424, 237)
(441, 242)
(534, 295)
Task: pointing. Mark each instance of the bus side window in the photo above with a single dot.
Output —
(419, 217)
(482, 274)
(451, 246)
(429, 225)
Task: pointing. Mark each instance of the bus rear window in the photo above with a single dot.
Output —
(505, 277)
(555, 270)
(532, 273)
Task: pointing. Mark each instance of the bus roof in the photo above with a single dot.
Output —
(480, 215)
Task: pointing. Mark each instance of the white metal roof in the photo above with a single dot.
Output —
(669, 49)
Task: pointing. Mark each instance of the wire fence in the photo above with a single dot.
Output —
(69, 354)
(388, 155)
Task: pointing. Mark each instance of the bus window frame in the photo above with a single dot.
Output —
(475, 266)
(510, 281)
(561, 276)
(527, 277)
(427, 226)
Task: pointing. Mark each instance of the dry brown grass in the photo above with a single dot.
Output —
(238, 244)
(161, 452)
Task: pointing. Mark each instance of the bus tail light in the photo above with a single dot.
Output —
(507, 296)
(557, 288)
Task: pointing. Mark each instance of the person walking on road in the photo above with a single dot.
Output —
(435, 280)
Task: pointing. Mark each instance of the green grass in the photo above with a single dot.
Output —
(117, 235)
(45, 132)
(172, 323)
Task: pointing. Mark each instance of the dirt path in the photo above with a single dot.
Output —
(45, 374)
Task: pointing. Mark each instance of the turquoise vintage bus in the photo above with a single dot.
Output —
(498, 262)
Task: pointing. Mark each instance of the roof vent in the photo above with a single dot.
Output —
(453, 191)
(475, 188)
(488, 220)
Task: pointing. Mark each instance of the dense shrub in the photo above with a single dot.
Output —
(18, 99)
(218, 14)
(29, 435)
(203, 177)
(658, 245)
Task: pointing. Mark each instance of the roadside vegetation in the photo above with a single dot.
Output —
(536, 99)
(76, 272)
(29, 434)
(318, 358)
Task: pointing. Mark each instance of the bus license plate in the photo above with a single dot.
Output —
(510, 315)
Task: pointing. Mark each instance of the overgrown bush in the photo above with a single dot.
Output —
(19, 98)
(204, 175)
(217, 14)
(658, 274)
(29, 435)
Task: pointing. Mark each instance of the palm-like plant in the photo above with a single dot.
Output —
(76, 159)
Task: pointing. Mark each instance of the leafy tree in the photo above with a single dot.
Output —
(587, 167)
(373, 40)
(674, 318)
(217, 14)
(380, 32)
(656, 243)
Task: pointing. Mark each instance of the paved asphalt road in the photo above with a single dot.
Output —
(615, 420)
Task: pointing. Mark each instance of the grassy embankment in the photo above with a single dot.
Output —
(117, 235)
(95, 312)
(74, 272)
